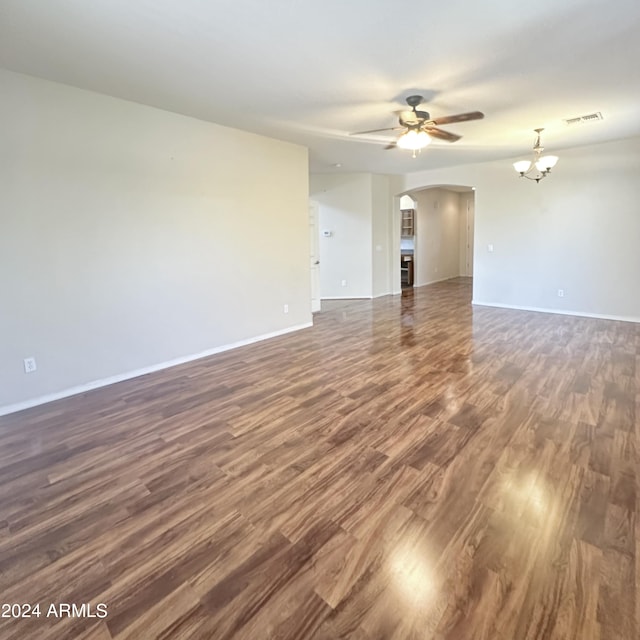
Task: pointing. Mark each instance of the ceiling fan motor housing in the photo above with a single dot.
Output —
(414, 101)
(413, 118)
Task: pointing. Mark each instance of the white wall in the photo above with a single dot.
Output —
(357, 208)
(467, 204)
(382, 235)
(437, 235)
(130, 237)
(407, 202)
(344, 209)
(578, 230)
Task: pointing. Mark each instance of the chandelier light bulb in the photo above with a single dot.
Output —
(522, 166)
(548, 162)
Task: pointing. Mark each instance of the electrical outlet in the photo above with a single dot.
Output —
(560, 293)
(490, 248)
(30, 365)
(344, 283)
(286, 308)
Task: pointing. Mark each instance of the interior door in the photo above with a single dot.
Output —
(314, 256)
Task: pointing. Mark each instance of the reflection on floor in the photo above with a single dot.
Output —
(410, 467)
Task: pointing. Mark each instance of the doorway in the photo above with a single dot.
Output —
(441, 245)
(407, 242)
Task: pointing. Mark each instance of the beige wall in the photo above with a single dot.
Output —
(578, 230)
(437, 242)
(132, 237)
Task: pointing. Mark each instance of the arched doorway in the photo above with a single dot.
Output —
(441, 245)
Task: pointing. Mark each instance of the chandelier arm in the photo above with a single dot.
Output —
(542, 175)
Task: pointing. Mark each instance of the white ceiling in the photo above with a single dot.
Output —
(311, 71)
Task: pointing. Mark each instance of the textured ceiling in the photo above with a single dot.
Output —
(311, 71)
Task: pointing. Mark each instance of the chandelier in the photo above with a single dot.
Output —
(538, 167)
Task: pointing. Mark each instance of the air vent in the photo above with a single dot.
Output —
(591, 117)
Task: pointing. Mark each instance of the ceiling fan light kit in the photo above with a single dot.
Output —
(419, 128)
(540, 166)
(414, 140)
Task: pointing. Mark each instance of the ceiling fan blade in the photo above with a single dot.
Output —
(361, 133)
(393, 145)
(460, 117)
(434, 132)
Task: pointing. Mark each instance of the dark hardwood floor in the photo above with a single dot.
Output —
(410, 467)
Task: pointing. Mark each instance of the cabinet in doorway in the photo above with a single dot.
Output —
(406, 270)
(408, 222)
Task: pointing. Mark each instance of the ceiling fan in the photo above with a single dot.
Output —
(419, 127)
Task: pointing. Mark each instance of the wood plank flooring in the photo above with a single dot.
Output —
(410, 467)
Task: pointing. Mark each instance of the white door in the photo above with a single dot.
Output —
(314, 257)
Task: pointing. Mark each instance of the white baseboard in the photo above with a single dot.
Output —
(346, 298)
(563, 312)
(104, 382)
(424, 284)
